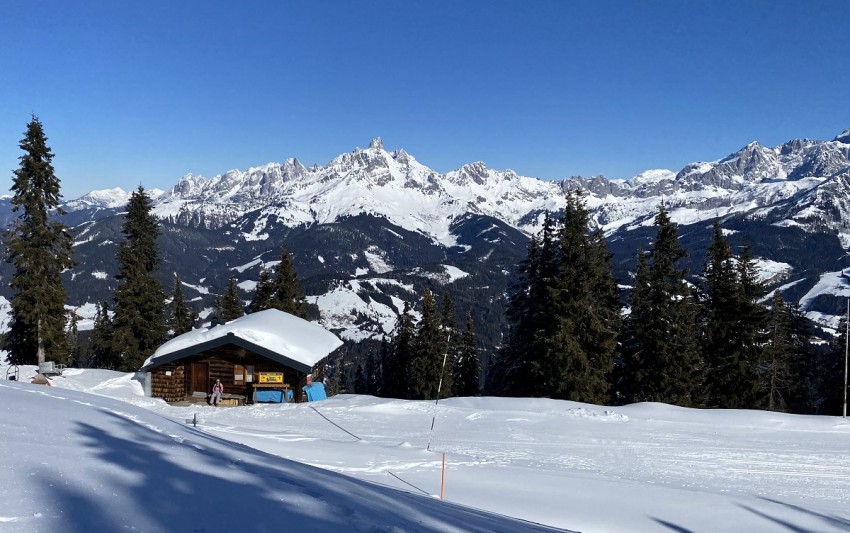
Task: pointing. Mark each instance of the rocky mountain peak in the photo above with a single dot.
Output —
(843, 137)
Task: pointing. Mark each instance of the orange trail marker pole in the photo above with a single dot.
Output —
(443, 479)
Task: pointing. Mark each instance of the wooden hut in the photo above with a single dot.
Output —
(261, 356)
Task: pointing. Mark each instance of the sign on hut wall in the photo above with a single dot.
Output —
(270, 377)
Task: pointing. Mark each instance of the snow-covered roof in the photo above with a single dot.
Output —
(274, 334)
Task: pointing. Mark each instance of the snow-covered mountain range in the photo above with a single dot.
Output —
(804, 180)
(369, 229)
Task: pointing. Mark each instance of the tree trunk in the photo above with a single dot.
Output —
(41, 357)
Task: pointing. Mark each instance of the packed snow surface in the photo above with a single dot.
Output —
(91, 453)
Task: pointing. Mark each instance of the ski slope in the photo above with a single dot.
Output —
(547, 463)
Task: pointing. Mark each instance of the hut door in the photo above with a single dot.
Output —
(200, 377)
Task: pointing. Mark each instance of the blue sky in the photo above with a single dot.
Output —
(143, 92)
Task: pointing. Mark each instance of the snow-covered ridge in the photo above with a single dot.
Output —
(394, 185)
(105, 199)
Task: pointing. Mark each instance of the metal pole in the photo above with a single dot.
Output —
(439, 388)
(846, 346)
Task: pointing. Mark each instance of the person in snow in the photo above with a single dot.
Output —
(217, 389)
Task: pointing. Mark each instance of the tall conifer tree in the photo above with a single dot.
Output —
(663, 361)
(72, 335)
(101, 352)
(139, 322)
(751, 337)
(373, 374)
(831, 369)
(229, 306)
(39, 247)
(429, 350)
(181, 316)
(564, 313)
(452, 340)
(287, 295)
(721, 318)
(467, 367)
(397, 359)
(262, 293)
(587, 310)
(529, 315)
(790, 369)
(778, 356)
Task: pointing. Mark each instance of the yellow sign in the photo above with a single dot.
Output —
(271, 377)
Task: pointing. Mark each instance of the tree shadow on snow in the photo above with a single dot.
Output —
(155, 485)
(837, 522)
(671, 526)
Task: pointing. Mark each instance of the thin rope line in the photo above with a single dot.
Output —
(334, 423)
(439, 388)
(407, 483)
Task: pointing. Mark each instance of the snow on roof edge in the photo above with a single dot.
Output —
(279, 332)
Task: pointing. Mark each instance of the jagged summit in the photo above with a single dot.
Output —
(397, 187)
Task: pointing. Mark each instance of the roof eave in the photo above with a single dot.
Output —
(230, 338)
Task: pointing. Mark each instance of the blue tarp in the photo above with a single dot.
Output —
(276, 396)
(315, 392)
(270, 396)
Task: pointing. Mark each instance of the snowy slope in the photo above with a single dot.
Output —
(77, 462)
(80, 462)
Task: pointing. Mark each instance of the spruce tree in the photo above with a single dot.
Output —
(514, 372)
(778, 355)
(564, 313)
(74, 356)
(831, 369)
(397, 359)
(181, 317)
(587, 309)
(734, 327)
(229, 306)
(721, 318)
(101, 352)
(139, 321)
(796, 358)
(379, 379)
(662, 359)
(632, 373)
(263, 292)
(428, 352)
(360, 380)
(452, 340)
(804, 397)
(287, 295)
(467, 367)
(373, 377)
(751, 335)
(39, 247)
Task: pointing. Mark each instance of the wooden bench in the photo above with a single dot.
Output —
(231, 399)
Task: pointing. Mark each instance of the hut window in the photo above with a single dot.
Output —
(249, 373)
(238, 374)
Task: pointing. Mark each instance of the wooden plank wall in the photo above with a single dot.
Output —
(169, 388)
